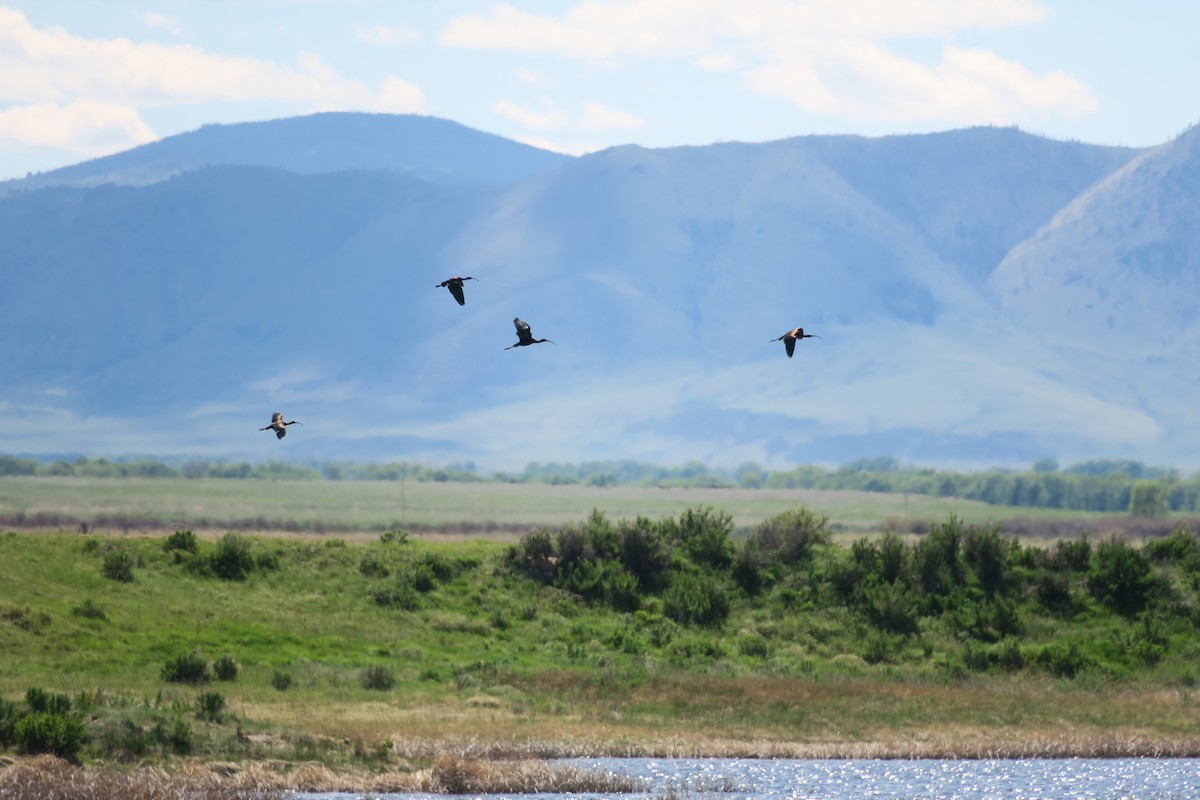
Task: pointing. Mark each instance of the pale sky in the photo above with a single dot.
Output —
(84, 78)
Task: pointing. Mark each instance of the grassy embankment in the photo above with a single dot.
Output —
(377, 656)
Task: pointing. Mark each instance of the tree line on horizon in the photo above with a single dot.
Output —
(1098, 485)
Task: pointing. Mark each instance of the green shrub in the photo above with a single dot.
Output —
(534, 555)
(625, 641)
(621, 590)
(1010, 655)
(176, 738)
(703, 535)
(988, 554)
(281, 680)
(696, 600)
(975, 656)
(63, 735)
(892, 557)
(1072, 556)
(232, 560)
(790, 538)
(890, 607)
(645, 554)
(41, 701)
(1053, 591)
(378, 678)
(372, 566)
(423, 578)
(400, 595)
(225, 668)
(8, 722)
(880, 647)
(186, 668)
(1063, 661)
(1182, 547)
(398, 536)
(118, 565)
(1120, 577)
(749, 569)
(937, 558)
(753, 646)
(210, 706)
(181, 541)
(89, 610)
(604, 581)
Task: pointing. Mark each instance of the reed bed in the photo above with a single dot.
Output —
(944, 744)
(50, 778)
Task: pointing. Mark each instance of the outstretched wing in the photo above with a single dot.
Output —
(522, 327)
(456, 289)
(281, 432)
(790, 343)
(277, 417)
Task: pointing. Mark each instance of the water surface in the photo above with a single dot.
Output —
(850, 779)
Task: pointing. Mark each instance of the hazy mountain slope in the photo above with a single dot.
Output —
(145, 295)
(174, 317)
(1118, 268)
(425, 147)
(973, 194)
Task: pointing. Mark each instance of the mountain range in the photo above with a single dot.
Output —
(983, 297)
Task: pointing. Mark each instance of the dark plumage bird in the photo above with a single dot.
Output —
(524, 336)
(790, 338)
(278, 425)
(455, 285)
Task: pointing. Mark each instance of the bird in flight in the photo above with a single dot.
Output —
(455, 285)
(791, 337)
(278, 425)
(524, 336)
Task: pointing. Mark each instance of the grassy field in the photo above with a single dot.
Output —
(376, 655)
(163, 504)
(340, 660)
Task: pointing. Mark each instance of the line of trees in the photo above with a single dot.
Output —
(1102, 485)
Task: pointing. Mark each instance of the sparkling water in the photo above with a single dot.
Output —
(850, 779)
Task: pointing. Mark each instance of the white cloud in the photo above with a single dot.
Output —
(81, 126)
(386, 35)
(600, 117)
(593, 116)
(398, 96)
(550, 116)
(84, 95)
(823, 56)
(556, 146)
(50, 65)
(866, 81)
(162, 22)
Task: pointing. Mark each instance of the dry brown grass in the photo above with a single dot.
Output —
(50, 778)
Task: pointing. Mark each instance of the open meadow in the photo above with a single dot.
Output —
(725, 622)
(506, 510)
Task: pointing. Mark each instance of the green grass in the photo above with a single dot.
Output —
(479, 653)
(157, 504)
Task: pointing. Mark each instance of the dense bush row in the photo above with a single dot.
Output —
(970, 583)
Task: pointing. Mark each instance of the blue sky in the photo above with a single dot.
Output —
(83, 78)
